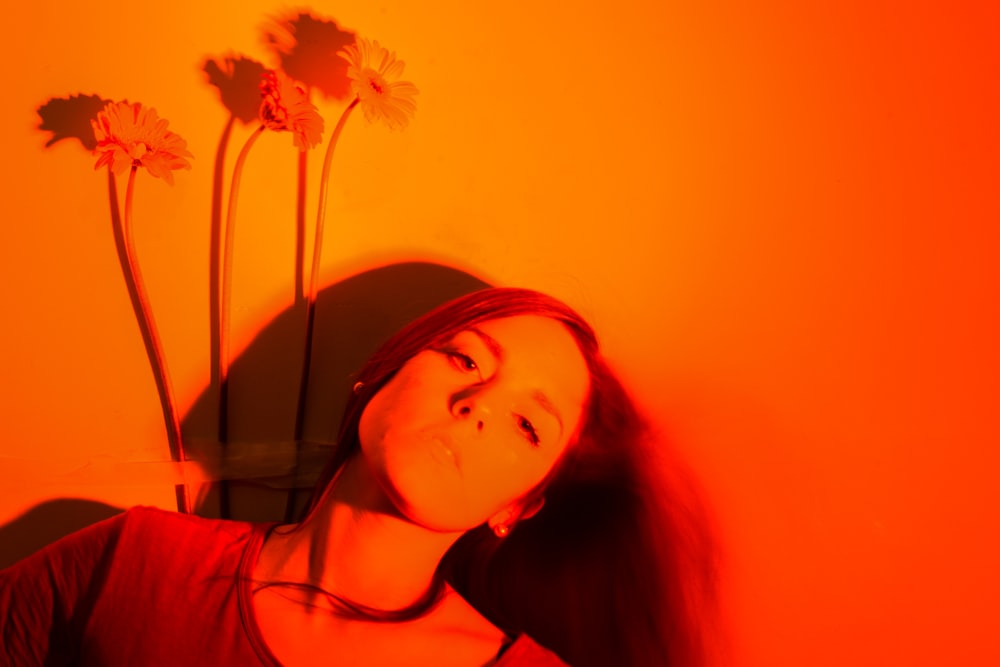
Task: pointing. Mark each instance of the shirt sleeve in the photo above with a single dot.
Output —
(44, 598)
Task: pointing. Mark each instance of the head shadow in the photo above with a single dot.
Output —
(262, 463)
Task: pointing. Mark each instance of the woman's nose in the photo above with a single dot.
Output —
(468, 405)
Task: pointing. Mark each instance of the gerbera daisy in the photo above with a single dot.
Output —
(285, 105)
(130, 135)
(373, 71)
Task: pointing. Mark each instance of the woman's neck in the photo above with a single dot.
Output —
(358, 546)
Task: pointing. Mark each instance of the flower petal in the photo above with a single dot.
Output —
(374, 71)
(285, 106)
(132, 135)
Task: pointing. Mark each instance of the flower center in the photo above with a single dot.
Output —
(139, 150)
(374, 83)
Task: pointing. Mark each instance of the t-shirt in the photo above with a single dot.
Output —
(150, 587)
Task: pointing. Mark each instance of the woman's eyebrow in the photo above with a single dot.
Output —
(497, 351)
(490, 342)
(549, 407)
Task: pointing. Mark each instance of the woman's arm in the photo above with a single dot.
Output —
(44, 598)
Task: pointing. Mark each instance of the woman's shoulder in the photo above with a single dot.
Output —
(525, 652)
(176, 538)
(144, 517)
(158, 573)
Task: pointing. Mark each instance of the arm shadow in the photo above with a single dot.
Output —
(47, 522)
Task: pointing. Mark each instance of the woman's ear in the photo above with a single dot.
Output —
(531, 508)
(518, 511)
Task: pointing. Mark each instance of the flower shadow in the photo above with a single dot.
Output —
(237, 79)
(307, 48)
(69, 118)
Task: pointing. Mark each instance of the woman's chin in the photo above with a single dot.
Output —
(430, 493)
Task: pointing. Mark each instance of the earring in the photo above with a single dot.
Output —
(358, 386)
(501, 530)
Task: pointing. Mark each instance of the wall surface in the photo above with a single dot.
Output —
(782, 217)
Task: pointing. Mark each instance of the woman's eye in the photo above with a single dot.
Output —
(463, 361)
(528, 430)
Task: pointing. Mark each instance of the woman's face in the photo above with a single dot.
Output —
(464, 430)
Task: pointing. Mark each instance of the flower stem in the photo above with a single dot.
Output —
(300, 411)
(300, 227)
(154, 348)
(227, 280)
(215, 286)
(324, 182)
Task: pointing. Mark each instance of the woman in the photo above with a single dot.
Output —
(490, 494)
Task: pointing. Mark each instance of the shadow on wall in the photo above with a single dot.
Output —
(262, 463)
(353, 317)
(306, 48)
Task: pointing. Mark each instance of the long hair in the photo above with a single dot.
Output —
(618, 567)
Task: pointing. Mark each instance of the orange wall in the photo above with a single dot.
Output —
(782, 217)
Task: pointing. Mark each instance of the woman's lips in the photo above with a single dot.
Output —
(442, 453)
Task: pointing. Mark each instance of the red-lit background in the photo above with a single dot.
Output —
(782, 217)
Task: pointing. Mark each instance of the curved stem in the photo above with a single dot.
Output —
(215, 247)
(154, 348)
(227, 279)
(215, 288)
(321, 210)
(300, 408)
(300, 228)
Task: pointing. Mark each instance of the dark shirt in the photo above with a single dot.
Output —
(150, 587)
